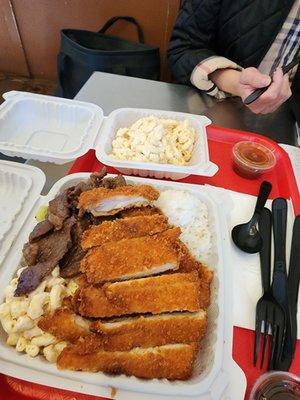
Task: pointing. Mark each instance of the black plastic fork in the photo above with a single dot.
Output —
(270, 316)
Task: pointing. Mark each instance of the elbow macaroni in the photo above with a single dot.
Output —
(158, 140)
(52, 351)
(19, 316)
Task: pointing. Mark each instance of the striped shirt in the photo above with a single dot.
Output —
(282, 51)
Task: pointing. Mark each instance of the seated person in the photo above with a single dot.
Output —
(232, 47)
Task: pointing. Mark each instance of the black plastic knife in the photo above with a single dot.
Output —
(280, 279)
(293, 289)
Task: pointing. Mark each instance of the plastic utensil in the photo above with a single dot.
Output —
(264, 226)
(280, 282)
(246, 236)
(270, 316)
(258, 92)
(293, 289)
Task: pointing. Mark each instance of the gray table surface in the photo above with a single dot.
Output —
(115, 91)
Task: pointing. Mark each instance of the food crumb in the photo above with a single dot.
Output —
(113, 392)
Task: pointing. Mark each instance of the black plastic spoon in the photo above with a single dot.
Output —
(246, 236)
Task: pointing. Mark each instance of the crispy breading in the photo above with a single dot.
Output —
(149, 331)
(171, 235)
(157, 294)
(188, 263)
(173, 361)
(206, 277)
(103, 201)
(112, 231)
(131, 258)
(89, 344)
(135, 212)
(65, 325)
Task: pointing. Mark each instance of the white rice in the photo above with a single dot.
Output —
(191, 215)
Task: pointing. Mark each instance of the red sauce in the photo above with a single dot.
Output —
(255, 156)
(251, 159)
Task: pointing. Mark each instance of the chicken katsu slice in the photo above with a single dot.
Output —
(64, 324)
(151, 330)
(139, 211)
(155, 295)
(131, 258)
(103, 201)
(187, 263)
(206, 277)
(127, 228)
(172, 361)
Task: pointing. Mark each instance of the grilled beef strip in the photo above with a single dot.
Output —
(113, 183)
(59, 209)
(51, 250)
(30, 253)
(70, 263)
(40, 230)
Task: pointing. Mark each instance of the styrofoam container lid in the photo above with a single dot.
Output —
(20, 187)
(199, 164)
(47, 128)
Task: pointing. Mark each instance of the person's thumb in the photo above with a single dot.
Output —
(252, 77)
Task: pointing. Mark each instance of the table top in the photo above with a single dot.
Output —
(115, 91)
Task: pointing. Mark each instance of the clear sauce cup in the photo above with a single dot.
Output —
(276, 386)
(252, 159)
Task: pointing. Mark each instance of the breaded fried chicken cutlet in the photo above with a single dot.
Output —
(127, 228)
(131, 258)
(188, 263)
(65, 325)
(136, 212)
(172, 361)
(151, 330)
(102, 201)
(157, 294)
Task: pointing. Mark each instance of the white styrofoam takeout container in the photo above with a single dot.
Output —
(47, 128)
(125, 117)
(215, 369)
(52, 129)
(20, 187)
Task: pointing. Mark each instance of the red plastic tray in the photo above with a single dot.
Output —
(220, 142)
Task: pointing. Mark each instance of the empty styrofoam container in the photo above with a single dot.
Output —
(199, 163)
(47, 128)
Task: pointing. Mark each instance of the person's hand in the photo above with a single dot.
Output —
(242, 83)
(278, 92)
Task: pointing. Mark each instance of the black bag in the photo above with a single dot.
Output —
(83, 52)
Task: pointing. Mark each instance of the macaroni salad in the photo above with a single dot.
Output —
(157, 140)
(19, 315)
